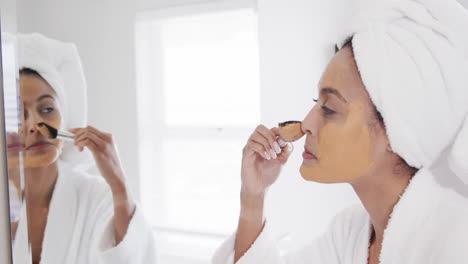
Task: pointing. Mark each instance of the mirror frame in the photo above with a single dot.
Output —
(5, 226)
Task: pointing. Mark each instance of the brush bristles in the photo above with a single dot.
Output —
(50, 131)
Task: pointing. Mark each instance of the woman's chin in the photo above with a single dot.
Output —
(316, 174)
(40, 159)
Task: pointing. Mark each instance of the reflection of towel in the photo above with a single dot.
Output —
(59, 64)
(413, 60)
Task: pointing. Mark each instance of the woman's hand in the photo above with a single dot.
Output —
(104, 151)
(108, 162)
(263, 157)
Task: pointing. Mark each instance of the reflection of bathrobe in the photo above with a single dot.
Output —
(428, 225)
(15, 202)
(80, 226)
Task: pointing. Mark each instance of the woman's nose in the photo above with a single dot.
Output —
(29, 124)
(311, 123)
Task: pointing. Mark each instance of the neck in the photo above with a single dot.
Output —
(379, 194)
(39, 184)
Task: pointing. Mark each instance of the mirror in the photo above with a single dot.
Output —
(7, 190)
(12, 204)
(81, 206)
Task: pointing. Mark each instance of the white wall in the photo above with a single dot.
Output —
(8, 15)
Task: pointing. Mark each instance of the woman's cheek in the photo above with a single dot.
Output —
(54, 120)
(46, 158)
(344, 150)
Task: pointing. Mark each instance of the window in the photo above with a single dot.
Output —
(199, 99)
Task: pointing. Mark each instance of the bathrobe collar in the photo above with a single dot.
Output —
(61, 218)
(426, 212)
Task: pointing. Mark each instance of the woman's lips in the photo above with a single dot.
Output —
(15, 147)
(39, 145)
(308, 156)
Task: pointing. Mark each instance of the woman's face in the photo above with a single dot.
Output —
(344, 139)
(39, 103)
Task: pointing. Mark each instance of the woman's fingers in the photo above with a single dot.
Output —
(267, 134)
(86, 142)
(286, 147)
(275, 131)
(104, 136)
(78, 131)
(269, 144)
(87, 137)
(260, 139)
(258, 148)
(286, 152)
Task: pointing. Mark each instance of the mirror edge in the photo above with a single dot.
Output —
(5, 227)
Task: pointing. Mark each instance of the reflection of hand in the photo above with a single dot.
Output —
(107, 160)
(263, 157)
(105, 154)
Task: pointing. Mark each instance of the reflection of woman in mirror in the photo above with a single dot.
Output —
(391, 101)
(73, 217)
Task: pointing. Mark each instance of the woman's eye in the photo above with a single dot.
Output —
(47, 109)
(327, 111)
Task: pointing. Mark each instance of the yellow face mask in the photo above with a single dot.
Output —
(343, 152)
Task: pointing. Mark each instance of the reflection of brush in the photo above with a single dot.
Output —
(52, 133)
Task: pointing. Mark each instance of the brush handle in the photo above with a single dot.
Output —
(66, 135)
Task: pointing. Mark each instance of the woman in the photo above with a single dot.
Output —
(72, 217)
(391, 102)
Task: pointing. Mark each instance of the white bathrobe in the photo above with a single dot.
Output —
(429, 224)
(80, 226)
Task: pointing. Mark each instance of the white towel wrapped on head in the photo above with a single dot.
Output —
(60, 65)
(413, 59)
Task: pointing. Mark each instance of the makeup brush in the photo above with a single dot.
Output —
(53, 133)
(290, 131)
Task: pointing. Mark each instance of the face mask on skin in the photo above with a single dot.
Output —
(343, 152)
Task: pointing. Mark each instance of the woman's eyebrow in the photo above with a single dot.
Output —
(329, 90)
(44, 97)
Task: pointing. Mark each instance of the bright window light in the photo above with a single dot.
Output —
(199, 99)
